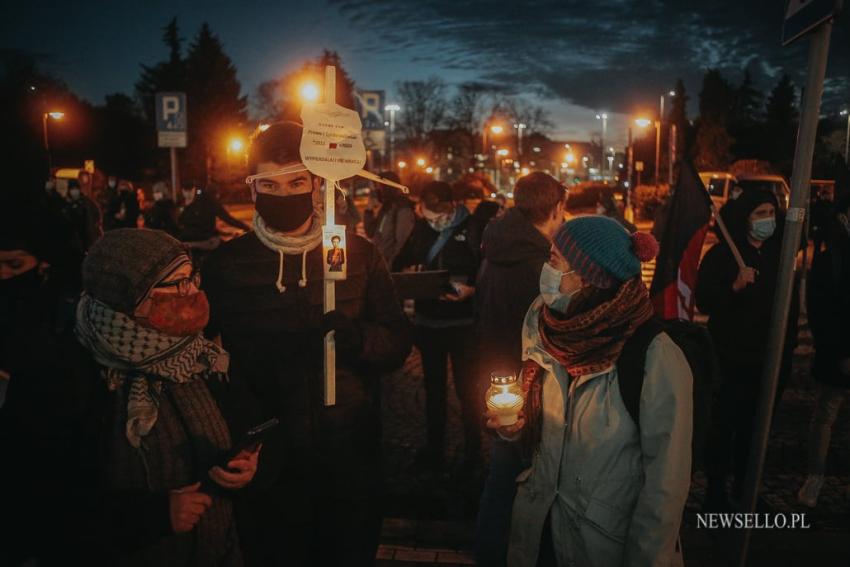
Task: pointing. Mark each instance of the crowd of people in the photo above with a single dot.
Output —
(139, 349)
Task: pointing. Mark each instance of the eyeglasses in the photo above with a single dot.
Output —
(183, 285)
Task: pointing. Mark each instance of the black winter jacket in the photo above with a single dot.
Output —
(461, 256)
(739, 321)
(275, 341)
(508, 282)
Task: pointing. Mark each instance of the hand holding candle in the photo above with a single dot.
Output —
(504, 398)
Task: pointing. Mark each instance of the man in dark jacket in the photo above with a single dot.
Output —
(739, 303)
(445, 240)
(515, 248)
(197, 221)
(829, 317)
(163, 213)
(266, 289)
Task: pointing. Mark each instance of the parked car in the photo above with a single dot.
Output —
(774, 183)
(718, 184)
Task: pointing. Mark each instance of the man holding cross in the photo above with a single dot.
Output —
(322, 467)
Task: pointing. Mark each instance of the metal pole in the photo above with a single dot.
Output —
(629, 165)
(847, 141)
(672, 153)
(806, 135)
(47, 145)
(392, 139)
(604, 136)
(658, 141)
(175, 174)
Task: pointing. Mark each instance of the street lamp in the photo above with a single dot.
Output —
(309, 92)
(55, 115)
(420, 162)
(604, 118)
(846, 113)
(519, 128)
(629, 213)
(236, 145)
(658, 136)
(402, 164)
(392, 109)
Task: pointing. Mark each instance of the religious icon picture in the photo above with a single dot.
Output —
(333, 244)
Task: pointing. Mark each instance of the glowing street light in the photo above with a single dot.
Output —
(643, 122)
(420, 162)
(570, 157)
(236, 145)
(55, 115)
(502, 153)
(497, 129)
(309, 92)
(402, 164)
(263, 127)
(429, 169)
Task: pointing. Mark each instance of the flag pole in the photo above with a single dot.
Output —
(726, 236)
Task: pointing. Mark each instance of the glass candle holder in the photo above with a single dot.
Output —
(504, 398)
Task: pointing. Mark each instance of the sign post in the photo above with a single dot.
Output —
(171, 130)
(800, 182)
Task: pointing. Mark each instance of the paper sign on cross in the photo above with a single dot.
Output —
(332, 148)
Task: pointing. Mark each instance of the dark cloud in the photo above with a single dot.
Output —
(614, 54)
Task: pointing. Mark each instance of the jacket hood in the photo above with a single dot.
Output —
(512, 239)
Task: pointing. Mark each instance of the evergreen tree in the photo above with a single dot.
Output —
(780, 127)
(215, 107)
(713, 141)
(169, 75)
(744, 123)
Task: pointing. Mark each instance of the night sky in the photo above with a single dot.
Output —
(574, 58)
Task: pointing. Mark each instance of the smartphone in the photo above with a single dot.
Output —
(252, 438)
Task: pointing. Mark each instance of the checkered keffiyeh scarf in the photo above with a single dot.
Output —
(146, 357)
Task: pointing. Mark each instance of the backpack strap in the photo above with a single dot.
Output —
(631, 364)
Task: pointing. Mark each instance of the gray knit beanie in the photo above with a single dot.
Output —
(122, 267)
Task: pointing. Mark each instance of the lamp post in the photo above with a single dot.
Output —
(55, 115)
(495, 129)
(604, 118)
(658, 124)
(846, 113)
(519, 128)
(392, 109)
(640, 123)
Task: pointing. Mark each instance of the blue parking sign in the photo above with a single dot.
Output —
(171, 120)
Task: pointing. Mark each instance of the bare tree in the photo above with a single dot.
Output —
(424, 109)
(536, 118)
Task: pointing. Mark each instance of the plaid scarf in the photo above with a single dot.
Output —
(146, 357)
(584, 341)
(590, 341)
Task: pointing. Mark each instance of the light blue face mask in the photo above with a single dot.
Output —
(550, 288)
(762, 229)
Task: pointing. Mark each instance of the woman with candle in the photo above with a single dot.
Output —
(600, 490)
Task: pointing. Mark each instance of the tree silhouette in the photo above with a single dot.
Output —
(713, 141)
(780, 126)
(168, 75)
(745, 119)
(424, 109)
(216, 108)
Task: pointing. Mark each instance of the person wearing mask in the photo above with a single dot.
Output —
(162, 215)
(197, 221)
(444, 240)
(266, 289)
(123, 208)
(392, 220)
(514, 249)
(600, 490)
(84, 214)
(158, 430)
(829, 317)
(738, 303)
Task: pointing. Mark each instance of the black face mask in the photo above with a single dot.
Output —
(284, 214)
